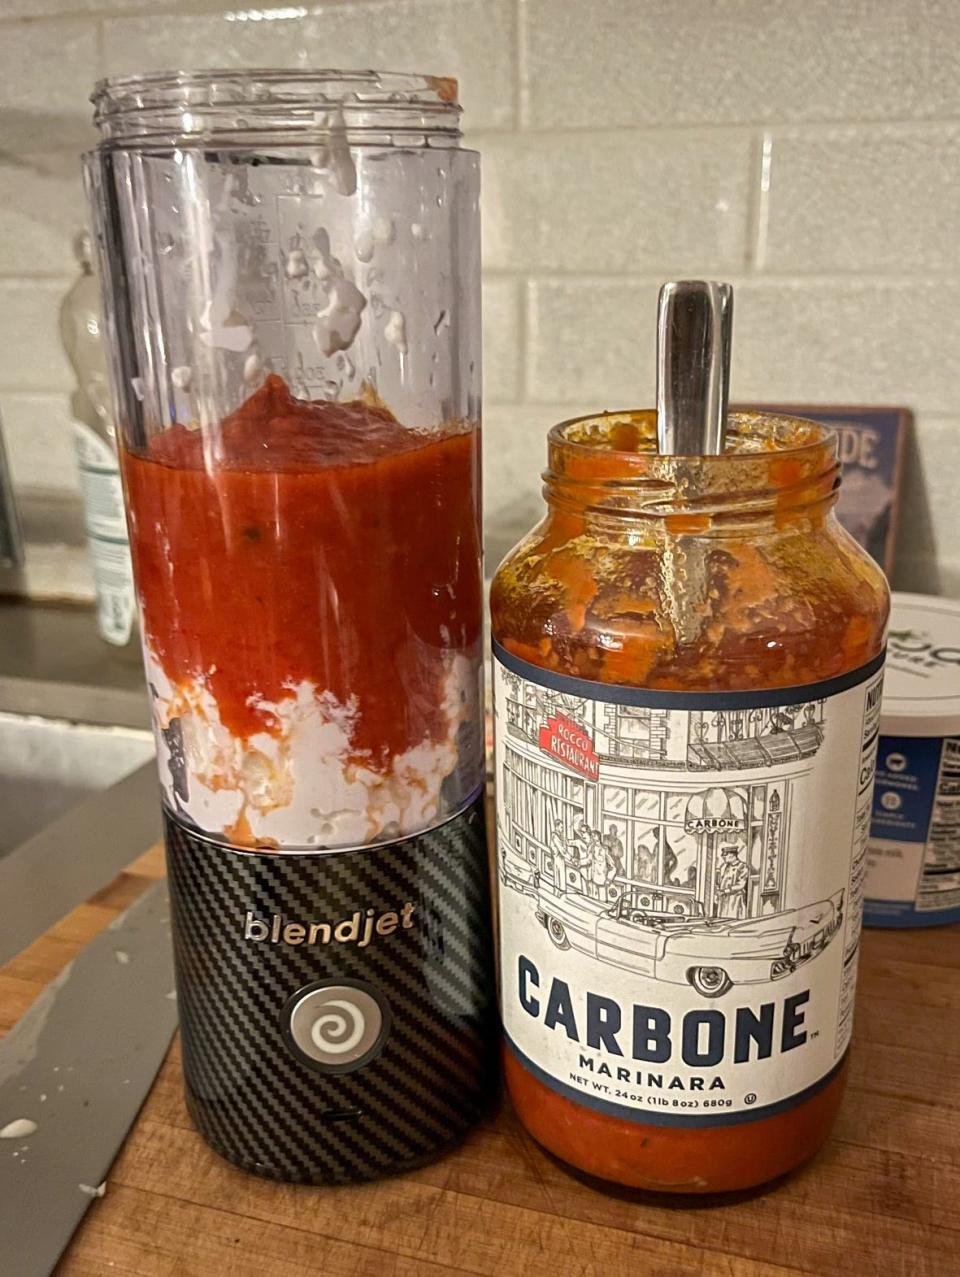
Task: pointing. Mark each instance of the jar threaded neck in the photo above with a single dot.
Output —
(609, 465)
(284, 105)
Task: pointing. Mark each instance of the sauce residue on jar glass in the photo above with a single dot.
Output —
(615, 585)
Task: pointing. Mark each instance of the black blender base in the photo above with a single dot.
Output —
(324, 1180)
(337, 1011)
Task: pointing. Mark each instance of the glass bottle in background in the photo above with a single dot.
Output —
(95, 446)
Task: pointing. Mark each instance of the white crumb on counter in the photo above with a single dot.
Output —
(18, 1129)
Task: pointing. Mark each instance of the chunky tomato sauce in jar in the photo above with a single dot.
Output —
(688, 658)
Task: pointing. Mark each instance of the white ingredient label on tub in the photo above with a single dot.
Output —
(681, 888)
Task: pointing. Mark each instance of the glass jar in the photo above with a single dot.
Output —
(290, 262)
(688, 657)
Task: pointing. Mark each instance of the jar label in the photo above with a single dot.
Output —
(681, 888)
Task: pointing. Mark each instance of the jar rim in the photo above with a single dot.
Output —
(272, 100)
(762, 435)
(772, 462)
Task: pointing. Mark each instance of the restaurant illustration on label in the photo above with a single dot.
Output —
(683, 882)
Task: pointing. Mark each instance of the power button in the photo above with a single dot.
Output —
(336, 1026)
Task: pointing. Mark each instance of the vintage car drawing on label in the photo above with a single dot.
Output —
(629, 850)
(711, 954)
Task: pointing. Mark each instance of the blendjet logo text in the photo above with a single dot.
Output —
(360, 928)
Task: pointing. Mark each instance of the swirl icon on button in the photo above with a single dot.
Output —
(327, 1032)
(336, 1027)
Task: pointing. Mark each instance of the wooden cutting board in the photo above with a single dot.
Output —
(880, 1200)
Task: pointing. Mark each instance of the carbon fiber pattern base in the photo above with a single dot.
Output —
(252, 1099)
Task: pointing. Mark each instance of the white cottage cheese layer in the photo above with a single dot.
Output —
(296, 787)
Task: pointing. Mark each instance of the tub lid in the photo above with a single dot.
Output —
(921, 690)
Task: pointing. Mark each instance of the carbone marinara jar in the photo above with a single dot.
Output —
(687, 673)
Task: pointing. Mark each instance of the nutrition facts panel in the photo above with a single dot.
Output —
(939, 886)
(869, 732)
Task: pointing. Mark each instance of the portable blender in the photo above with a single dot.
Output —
(290, 269)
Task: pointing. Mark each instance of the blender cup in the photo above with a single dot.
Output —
(290, 269)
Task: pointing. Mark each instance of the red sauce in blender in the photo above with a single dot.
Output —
(308, 540)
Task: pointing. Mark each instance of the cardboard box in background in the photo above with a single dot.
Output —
(871, 451)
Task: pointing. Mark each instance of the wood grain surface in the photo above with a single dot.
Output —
(881, 1199)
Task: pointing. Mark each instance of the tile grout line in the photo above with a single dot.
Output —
(707, 125)
(520, 47)
(819, 279)
(528, 297)
(754, 179)
(173, 10)
(523, 344)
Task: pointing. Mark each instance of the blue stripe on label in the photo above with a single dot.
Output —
(653, 1118)
(901, 913)
(616, 694)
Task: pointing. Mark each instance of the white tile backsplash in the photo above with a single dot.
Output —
(848, 341)
(39, 437)
(621, 144)
(808, 340)
(31, 356)
(592, 340)
(670, 62)
(47, 70)
(514, 458)
(41, 210)
(864, 199)
(517, 454)
(63, 8)
(617, 202)
(501, 340)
